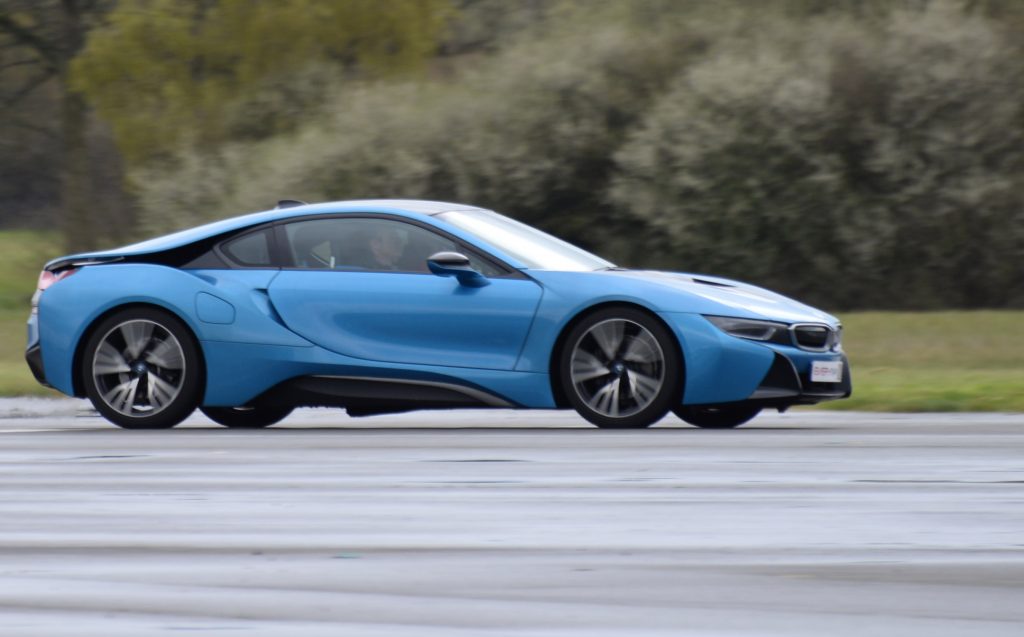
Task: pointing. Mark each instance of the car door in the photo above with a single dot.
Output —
(360, 286)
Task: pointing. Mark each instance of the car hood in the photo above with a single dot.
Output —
(742, 297)
(681, 292)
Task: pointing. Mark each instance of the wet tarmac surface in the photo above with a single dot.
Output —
(511, 523)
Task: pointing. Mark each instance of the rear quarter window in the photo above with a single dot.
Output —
(251, 250)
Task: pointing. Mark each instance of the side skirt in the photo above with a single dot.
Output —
(362, 396)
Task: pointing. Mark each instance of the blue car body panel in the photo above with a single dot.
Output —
(719, 367)
(255, 351)
(254, 369)
(409, 318)
(69, 307)
(260, 327)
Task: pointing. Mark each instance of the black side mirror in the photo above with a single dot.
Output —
(456, 265)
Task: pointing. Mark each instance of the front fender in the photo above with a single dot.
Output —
(719, 368)
(558, 306)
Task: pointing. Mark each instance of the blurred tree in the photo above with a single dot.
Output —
(38, 40)
(168, 71)
(849, 165)
(490, 25)
(530, 131)
(854, 154)
(29, 151)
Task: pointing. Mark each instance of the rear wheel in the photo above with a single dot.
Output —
(621, 369)
(142, 370)
(246, 417)
(721, 417)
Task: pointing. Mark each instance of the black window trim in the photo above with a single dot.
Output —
(231, 263)
(272, 249)
(282, 257)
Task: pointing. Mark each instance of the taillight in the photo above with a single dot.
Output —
(47, 278)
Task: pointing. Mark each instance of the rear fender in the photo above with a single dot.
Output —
(70, 308)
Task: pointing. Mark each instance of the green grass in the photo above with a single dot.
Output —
(901, 361)
(935, 361)
(23, 253)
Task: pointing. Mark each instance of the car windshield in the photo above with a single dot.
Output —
(538, 250)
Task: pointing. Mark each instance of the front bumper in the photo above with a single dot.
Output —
(784, 385)
(724, 369)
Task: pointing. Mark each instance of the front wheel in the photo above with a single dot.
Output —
(721, 417)
(142, 369)
(246, 417)
(621, 369)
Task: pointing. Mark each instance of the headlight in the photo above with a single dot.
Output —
(764, 331)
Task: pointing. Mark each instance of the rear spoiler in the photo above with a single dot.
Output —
(65, 263)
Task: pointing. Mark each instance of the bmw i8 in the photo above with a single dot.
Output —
(394, 305)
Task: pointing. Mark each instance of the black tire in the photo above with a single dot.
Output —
(630, 383)
(246, 417)
(142, 369)
(720, 417)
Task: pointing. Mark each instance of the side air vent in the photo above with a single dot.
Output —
(781, 381)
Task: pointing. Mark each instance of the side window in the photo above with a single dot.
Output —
(252, 249)
(368, 244)
(485, 268)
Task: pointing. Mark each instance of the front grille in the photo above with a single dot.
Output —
(814, 337)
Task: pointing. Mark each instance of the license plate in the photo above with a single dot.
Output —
(827, 372)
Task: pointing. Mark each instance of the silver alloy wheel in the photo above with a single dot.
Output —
(138, 368)
(617, 368)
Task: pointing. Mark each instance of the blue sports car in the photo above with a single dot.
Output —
(391, 305)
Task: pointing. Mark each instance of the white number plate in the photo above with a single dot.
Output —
(827, 372)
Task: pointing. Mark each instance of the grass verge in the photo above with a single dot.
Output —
(24, 253)
(935, 361)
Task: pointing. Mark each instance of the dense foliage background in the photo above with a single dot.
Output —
(856, 154)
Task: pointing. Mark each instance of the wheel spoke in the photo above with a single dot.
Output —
(139, 368)
(167, 355)
(114, 396)
(136, 336)
(613, 401)
(586, 366)
(608, 336)
(642, 348)
(602, 398)
(122, 396)
(160, 392)
(618, 368)
(642, 386)
(109, 361)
